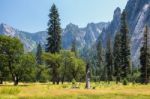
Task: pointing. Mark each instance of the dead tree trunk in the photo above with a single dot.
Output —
(87, 77)
(1, 80)
(16, 80)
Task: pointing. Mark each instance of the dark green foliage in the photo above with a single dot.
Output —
(26, 68)
(72, 67)
(11, 50)
(145, 58)
(15, 63)
(99, 52)
(74, 48)
(125, 47)
(135, 75)
(54, 43)
(125, 81)
(117, 57)
(65, 66)
(42, 73)
(39, 55)
(4, 71)
(53, 61)
(99, 58)
(73, 81)
(109, 61)
(54, 31)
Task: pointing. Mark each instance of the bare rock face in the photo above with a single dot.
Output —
(138, 15)
(23, 36)
(7, 30)
(84, 36)
(112, 28)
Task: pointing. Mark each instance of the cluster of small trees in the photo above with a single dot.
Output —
(63, 66)
(16, 65)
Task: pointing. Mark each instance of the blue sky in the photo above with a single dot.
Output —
(32, 15)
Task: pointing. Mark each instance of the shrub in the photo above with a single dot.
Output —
(64, 86)
(73, 81)
(125, 82)
(94, 87)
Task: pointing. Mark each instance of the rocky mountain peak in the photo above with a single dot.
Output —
(138, 15)
(7, 30)
(112, 28)
(71, 26)
(117, 13)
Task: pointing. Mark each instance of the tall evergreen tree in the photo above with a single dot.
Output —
(99, 60)
(54, 38)
(117, 57)
(145, 59)
(99, 52)
(39, 54)
(109, 60)
(74, 48)
(54, 31)
(125, 47)
(39, 63)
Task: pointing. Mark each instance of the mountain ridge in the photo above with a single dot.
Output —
(71, 32)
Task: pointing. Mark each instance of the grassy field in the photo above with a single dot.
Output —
(98, 91)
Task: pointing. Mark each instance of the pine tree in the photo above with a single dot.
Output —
(54, 31)
(39, 54)
(54, 38)
(145, 59)
(109, 60)
(39, 63)
(99, 52)
(73, 48)
(125, 48)
(99, 58)
(117, 57)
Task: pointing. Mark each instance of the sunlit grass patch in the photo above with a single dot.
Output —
(102, 90)
(10, 90)
(85, 96)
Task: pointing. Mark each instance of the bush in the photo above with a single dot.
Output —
(73, 81)
(125, 82)
(94, 87)
(64, 86)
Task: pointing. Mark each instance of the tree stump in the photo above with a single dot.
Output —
(87, 77)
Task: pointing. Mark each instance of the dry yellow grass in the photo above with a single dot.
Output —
(103, 90)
